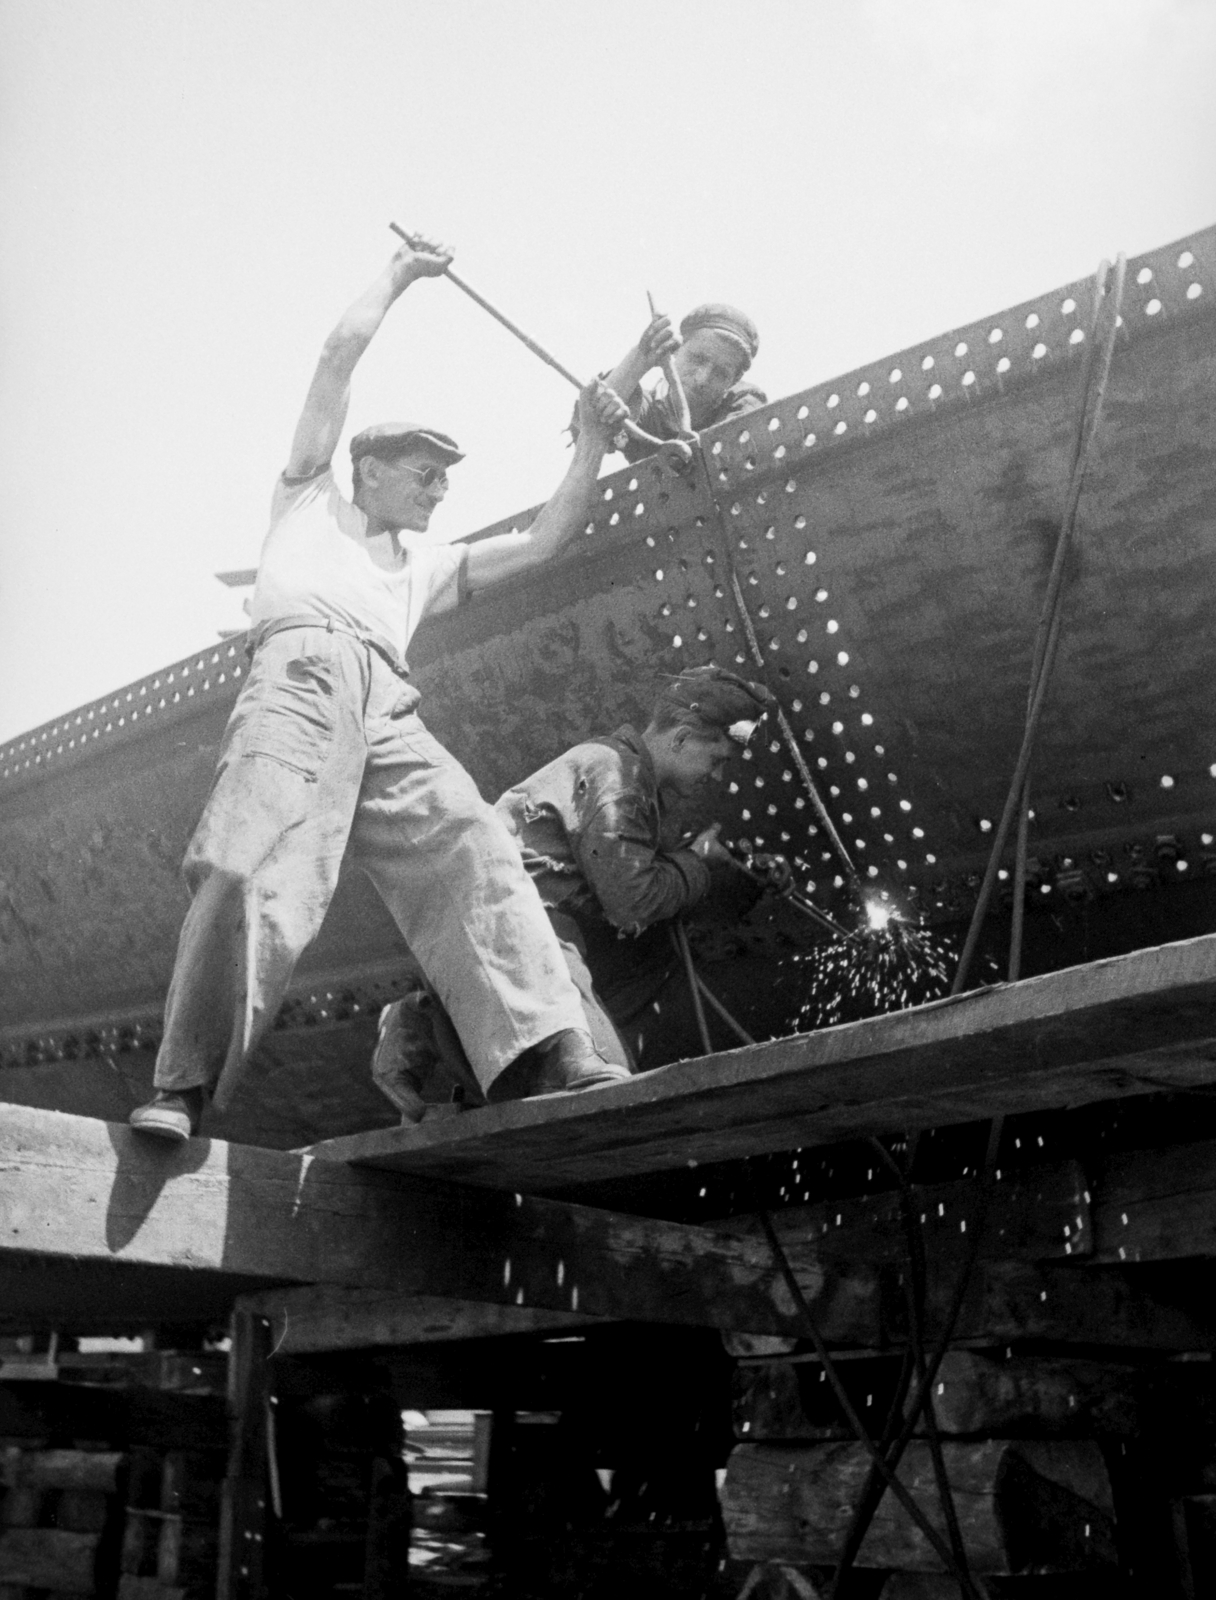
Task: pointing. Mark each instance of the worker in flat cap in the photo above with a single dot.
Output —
(599, 829)
(715, 346)
(325, 758)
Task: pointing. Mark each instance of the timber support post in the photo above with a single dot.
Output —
(246, 1489)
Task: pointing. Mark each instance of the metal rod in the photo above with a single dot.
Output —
(1048, 637)
(1019, 884)
(915, 1288)
(711, 998)
(499, 316)
(787, 732)
(629, 426)
(898, 1489)
(927, 1377)
(690, 972)
(1021, 851)
(675, 383)
(799, 901)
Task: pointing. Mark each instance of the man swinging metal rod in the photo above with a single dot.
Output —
(326, 760)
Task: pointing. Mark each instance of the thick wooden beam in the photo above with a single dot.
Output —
(103, 1229)
(1156, 1205)
(327, 1316)
(1039, 1214)
(76, 1191)
(975, 1394)
(1130, 1206)
(1129, 1025)
(1023, 1505)
(246, 1488)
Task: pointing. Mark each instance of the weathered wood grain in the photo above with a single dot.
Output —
(1154, 1205)
(1038, 1214)
(332, 1317)
(48, 1558)
(974, 1394)
(1129, 1025)
(1023, 1506)
(73, 1190)
(60, 1469)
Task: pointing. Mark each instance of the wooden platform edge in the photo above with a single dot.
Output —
(1073, 1019)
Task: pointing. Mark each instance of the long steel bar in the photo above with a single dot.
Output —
(1021, 851)
(680, 939)
(629, 426)
(1050, 625)
(787, 732)
(675, 384)
(927, 1376)
(499, 316)
(711, 999)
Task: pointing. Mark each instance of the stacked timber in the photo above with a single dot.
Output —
(1023, 1506)
(56, 1508)
(1024, 1447)
(110, 1474)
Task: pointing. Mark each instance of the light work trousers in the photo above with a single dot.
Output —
(324, 756)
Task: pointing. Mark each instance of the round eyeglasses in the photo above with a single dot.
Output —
(427, 476)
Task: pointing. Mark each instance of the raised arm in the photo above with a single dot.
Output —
(320, 424)
(600, 414)
(659, 339)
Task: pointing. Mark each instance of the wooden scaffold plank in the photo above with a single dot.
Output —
(1129, 1025)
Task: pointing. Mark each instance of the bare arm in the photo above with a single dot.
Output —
(492, 560)
(658, 340)
(324, 414)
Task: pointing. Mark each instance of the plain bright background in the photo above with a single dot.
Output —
(192, 190)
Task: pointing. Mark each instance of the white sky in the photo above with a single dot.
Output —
(192, 190)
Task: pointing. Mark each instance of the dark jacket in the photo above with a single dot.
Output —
(595, 840)
(655, 415)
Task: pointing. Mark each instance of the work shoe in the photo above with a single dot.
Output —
(406, 1054)
(565, 1064)
(171, 1114)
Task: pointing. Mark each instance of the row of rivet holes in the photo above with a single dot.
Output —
(111, 1039)
(1116, 791)
(608, 494)
(854, 691)
(1101, 859)
(929, 362)
(95, 713)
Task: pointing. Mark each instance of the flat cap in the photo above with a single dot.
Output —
(391, 438)
(728, 320)
(720, 699)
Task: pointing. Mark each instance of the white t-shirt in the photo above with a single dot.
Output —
(315, 564)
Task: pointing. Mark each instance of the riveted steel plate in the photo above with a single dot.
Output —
(891, 532)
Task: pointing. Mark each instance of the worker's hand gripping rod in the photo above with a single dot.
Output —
(630, 427)
(675, 387)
